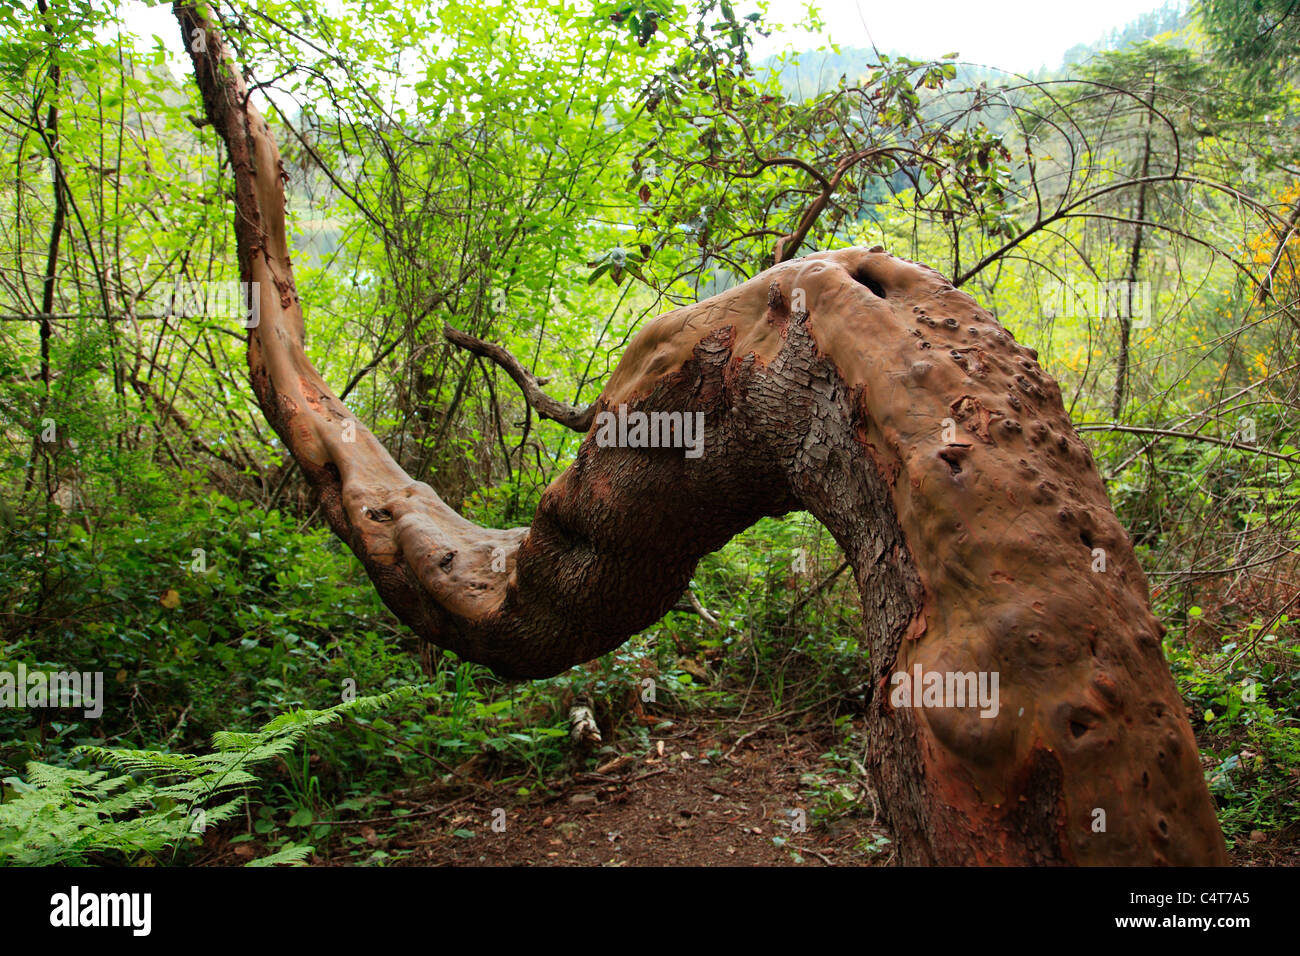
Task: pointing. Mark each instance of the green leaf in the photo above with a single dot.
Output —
(301, 817)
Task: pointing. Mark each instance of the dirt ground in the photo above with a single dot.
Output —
(680, 807)
(752, 796)
(706, 793)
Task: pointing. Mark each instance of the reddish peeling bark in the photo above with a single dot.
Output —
(869, 391)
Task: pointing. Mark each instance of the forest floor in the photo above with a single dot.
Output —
(705, 793)
(694, 798)
(748, 804)
(708, 791)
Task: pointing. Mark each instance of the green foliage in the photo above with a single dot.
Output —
(1245, 707)
(1259, 38)
(256, 607)
(158, 801)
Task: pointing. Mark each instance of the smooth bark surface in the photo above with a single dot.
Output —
(870, 392)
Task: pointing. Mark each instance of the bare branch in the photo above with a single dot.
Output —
(579, 419)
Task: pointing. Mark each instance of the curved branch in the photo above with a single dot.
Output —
(579, 419)
(1187, 436)
(1065, 209)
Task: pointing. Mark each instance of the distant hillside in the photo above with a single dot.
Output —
(816, 71)
(1172, 16)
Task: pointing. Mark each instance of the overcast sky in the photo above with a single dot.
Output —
(1016, 35)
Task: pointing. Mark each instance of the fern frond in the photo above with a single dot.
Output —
(60, 815)
(286, 856)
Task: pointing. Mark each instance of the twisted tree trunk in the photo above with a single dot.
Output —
(869, 391)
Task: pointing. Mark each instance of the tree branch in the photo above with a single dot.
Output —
(579, 419)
